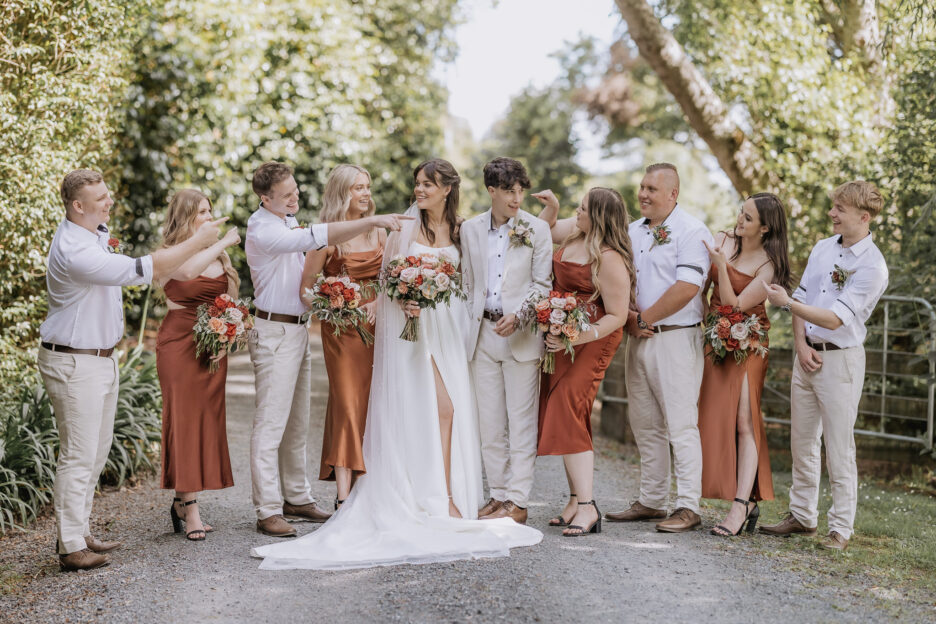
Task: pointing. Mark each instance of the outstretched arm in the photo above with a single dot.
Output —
(560, 228)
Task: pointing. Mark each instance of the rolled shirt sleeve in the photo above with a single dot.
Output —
(860, 294)
(692, 258)
(273, 238)
(94, 265)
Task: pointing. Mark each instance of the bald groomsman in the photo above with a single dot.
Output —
(664, 356)
(76, 358)
(843, 282)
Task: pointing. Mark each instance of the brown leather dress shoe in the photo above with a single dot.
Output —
(491, 506)
(786, 527)
(82, 560)
(95, 545)
(275, 526)
(308, 512)
(636, 512)
(834, 541)
(680, 521)
(509, 510)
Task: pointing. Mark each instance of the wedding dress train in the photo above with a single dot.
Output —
(398, 511)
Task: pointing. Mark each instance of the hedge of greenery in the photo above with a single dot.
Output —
(29, 440)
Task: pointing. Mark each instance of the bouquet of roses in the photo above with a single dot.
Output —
(337, 300)
(729, 331)
(427, 279)
(222, 326)
(558, 313)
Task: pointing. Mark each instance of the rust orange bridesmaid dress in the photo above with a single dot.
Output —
(194, 433)
(349, 363)
(718, 411)
(567, 395)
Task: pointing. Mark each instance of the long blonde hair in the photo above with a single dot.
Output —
(180, 226)
(609, 221)
(336, 199)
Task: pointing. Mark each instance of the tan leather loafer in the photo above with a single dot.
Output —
(680, 521)
(308, 512)
(275, 526)
(636, 512)
(491, 506)
(786, 527)
(82, 560)
(95, 545)
(509, 510)
(834, 541)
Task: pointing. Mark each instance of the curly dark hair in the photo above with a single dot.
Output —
(503, 173)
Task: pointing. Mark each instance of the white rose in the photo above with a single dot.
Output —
(739, 331)
(442, 281)
(557, 317)
(346, 281)
(744, 344)
(234, 315)
(557, 302)
(409, 274)
(428, 274)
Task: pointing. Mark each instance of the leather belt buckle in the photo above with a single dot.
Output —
(493, 316)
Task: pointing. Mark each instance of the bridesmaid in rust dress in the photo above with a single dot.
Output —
(194, 437)
(348, 360)
(594, 261)
(735, 463)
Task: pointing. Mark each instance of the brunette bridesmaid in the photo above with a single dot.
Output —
(348, 360)
(194, 436)
(735, 464)
(595, 262)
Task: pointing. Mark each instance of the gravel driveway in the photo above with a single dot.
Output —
(628, 572)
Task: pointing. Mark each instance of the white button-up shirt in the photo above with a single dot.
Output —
(498, 239)
(83, 279)
(853, 302)
(683, 258)
(276, 254)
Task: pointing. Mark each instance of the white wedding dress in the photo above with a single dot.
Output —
(398, 511)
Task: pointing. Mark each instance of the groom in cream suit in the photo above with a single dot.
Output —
(507, 255)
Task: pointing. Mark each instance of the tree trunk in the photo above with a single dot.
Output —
(705, 111)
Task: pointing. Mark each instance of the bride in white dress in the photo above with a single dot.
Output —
(418, 501)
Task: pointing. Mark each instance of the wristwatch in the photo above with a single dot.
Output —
(788, 306)
(642, 324)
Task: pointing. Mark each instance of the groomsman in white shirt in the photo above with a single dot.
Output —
(76, 356)
(664, 356)
(279, 348)
(843, 282)
(508, 257)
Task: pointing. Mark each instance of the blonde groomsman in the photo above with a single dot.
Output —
(508, 257)
(76, 355)
(843, 282)
(279, 348)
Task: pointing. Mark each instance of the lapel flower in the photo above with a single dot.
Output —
(661, 235)
(840, 276)
(521, 234)
(114, 245)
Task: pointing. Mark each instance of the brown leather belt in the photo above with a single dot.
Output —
(823, 346)
(62, 349)
(279, 318)
(493, 316)
(659, 329)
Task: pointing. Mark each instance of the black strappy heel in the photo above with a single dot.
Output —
(177, 520)
(594, 528)
(750, 519)
(338, 503)
(559, 521)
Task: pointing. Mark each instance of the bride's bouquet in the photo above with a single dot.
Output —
(337, 300)
(559, 314)
(426, 279)
(222, 326)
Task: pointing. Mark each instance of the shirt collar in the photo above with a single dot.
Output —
(860, 247)
(645, 222)
(270, 215)
(77, 230)
(491, 228)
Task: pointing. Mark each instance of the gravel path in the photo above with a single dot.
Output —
(628, 572)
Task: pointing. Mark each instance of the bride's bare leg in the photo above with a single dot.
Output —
(446, 414)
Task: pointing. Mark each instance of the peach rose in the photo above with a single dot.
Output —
(216, 325)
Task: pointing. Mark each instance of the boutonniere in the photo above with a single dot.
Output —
(840, 276)
(521, 234)
(299, 226)
(114, 245)
(661, 235)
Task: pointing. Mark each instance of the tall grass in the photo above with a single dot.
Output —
(29, 440)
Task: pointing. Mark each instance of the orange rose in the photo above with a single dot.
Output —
(216, 325)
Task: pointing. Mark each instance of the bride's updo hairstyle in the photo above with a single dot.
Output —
(443, 174)
(609, 221)
(180, 226)
(336, 199)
